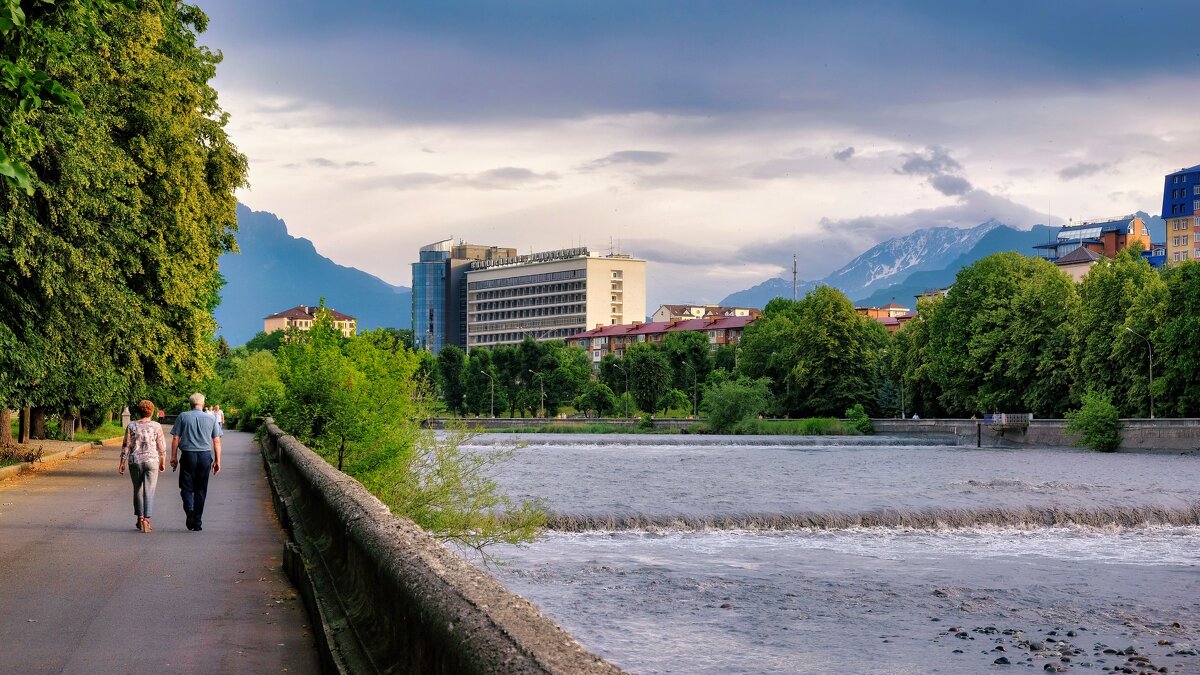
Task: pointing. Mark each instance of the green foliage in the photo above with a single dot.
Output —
(252, 389)
(266, 342)
(908, 363)
(596, 399)
(1172, 324)
(451, 377)
(360, 404)
(110, 264)
(818, 353)
(1116, 296)
(859, 421)
(674, 400)
(729, 403)
(811, 426)
(1096, 424)
(645, 423)
(1002, 339)
(649, 375)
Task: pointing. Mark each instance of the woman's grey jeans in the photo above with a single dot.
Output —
(145, 479)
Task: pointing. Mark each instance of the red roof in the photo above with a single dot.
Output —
(658, 327)
(308, 312)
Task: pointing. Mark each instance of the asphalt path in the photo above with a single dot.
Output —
(82, 591)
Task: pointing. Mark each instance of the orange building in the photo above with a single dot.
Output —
(1105, 237)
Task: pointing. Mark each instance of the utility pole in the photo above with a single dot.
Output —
(541, 381)
(493, 381)
(793, 277)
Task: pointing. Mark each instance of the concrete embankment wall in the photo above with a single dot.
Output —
(1136, 434)
(486, 423)
(387, 597)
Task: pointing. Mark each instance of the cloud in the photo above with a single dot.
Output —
(951, 186)
(634, 157)
(503, 178)
(324, 163)
(1083, 170)
(932, 162)
(844, 154)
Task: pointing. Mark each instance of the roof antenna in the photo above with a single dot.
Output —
(793, 277)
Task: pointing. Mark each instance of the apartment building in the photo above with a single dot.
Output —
(551, 295)
(615, 339)
(301, 317)
(668, 312)
(1105, 236)
(1181, 210)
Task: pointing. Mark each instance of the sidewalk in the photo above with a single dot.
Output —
(81, 591)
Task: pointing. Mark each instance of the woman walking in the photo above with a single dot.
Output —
(146, 448)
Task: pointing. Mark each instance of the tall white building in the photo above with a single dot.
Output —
(552, 295)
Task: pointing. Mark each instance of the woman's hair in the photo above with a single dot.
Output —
(146, 407)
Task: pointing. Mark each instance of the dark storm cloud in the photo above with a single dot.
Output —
(628, 157)
(951, 186)
(486, 60)
(1082, 170)
(844, 154)
(931, 162)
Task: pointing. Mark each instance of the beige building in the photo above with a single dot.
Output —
(682, 312)
(301, 317)
(552, 295)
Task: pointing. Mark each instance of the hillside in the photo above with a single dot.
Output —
(275, 271)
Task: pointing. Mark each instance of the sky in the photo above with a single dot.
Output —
(714, 139)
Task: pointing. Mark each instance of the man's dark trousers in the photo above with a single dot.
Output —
(194, 469)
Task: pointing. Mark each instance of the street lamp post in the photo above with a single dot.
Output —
(541, 381)
(493, 382)
(1150, 348)
(695, 382)
(622, 369)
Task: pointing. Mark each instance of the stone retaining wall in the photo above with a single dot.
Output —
(387, 597)
(486, 423)
(1178, 434)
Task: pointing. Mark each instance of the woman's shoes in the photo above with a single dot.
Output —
(146, 526)
(139, 524)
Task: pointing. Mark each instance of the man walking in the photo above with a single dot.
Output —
(195, 450)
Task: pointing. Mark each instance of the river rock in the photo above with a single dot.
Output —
(726, 605)
(1002, 661)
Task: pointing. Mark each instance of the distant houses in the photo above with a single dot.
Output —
(301, 317)
(615, 339)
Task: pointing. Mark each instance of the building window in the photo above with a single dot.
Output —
(1196, 190)
(1175, 256)
(1175, 241)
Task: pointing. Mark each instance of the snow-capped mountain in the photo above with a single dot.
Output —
(883, 265)
(894, 260)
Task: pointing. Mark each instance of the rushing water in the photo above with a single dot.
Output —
(676, 554)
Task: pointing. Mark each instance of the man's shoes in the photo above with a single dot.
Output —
(191, 520)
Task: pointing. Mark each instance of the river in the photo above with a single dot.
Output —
(686, 554)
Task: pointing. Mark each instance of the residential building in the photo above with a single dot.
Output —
(1106, 237)
(615, 339)
(891, 315)
(1077, 263)
(1181, 210)
(439, 298)
(301, 317)
(668, 312)
(551, 295)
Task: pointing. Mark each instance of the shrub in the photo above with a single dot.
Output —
(1096, 425)
(859, 421)
(730, 403)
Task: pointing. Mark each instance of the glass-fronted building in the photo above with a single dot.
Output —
(429, 296)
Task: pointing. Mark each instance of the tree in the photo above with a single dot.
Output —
(819, 355)
(1107, 356)
(451, 376)
(1176, 348)
(1002, 338)
(731, 402)
(596, 399)
(266, 341)
(570, 370)
(1096, 424)
(96, 299)
(649, 375)
(674, 400)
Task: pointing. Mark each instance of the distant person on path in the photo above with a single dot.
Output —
(219, 415)
(195, 450)
(146, 449)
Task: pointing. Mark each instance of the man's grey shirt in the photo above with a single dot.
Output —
(196, 429)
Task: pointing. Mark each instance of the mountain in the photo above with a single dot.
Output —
(998, 240)
(760, 295)
(275, 271)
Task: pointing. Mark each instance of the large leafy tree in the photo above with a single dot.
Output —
(1176, 347)
(110, 260)
(1002, 338)
(1108, 357)
(818, 353)
(649, 375)
(451, 375)
(908, 364)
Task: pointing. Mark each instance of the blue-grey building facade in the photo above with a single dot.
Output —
(439, 297)
(1180, 208)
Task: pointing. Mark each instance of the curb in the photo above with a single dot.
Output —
(33, 467)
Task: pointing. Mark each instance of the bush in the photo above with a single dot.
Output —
(1097, 424)
(645, 423)
(730, 403)
(859, 421)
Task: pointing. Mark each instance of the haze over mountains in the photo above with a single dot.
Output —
(275, 271)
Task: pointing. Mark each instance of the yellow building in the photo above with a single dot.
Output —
(552, 295)
(301, 317)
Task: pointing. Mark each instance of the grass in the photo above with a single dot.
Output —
(110, 430)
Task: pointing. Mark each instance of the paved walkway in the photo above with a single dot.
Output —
(81, 591)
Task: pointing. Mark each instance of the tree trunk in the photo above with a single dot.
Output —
(23, 426)
(66, 425)
(108, 417)
(5, 425)
(37, 424)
